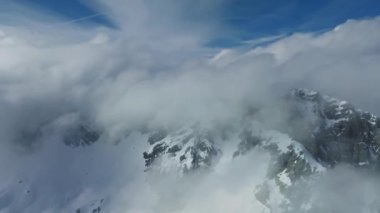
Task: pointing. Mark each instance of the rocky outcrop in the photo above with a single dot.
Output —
(337, 132)
(320, 133)
(331, 132)
(186, 149)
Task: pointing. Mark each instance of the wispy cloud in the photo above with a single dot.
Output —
(84, 18)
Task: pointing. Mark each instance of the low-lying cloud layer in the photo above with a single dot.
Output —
(155, 70)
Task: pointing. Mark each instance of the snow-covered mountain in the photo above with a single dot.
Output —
(188, 149)
(322, 132)
(329, 130)
(336, 131)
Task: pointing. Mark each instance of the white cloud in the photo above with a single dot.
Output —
(152, 71)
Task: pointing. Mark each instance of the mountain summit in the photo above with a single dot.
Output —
(322, 132)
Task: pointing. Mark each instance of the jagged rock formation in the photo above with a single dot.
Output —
(327, 132)
(321, 133)
(290, 163)
(186, 149)
(337, 132)
(330, 130)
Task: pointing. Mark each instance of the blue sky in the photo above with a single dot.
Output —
(249, 19)
(70, 9)
(258, 18)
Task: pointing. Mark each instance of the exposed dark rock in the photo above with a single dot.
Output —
(189, 148)
(202, 154)
(157, 136)
(321, 132)
(338, 131)
(157, 151)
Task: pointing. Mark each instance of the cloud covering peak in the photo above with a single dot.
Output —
(154, 70)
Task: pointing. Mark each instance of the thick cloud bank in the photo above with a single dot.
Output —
(155, 70)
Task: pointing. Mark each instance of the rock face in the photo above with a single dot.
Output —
(186, 149)
(321, 132)
(290, 163)
(330, 130)
(336, 131)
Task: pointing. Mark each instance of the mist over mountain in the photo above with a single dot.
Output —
(146, 117)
